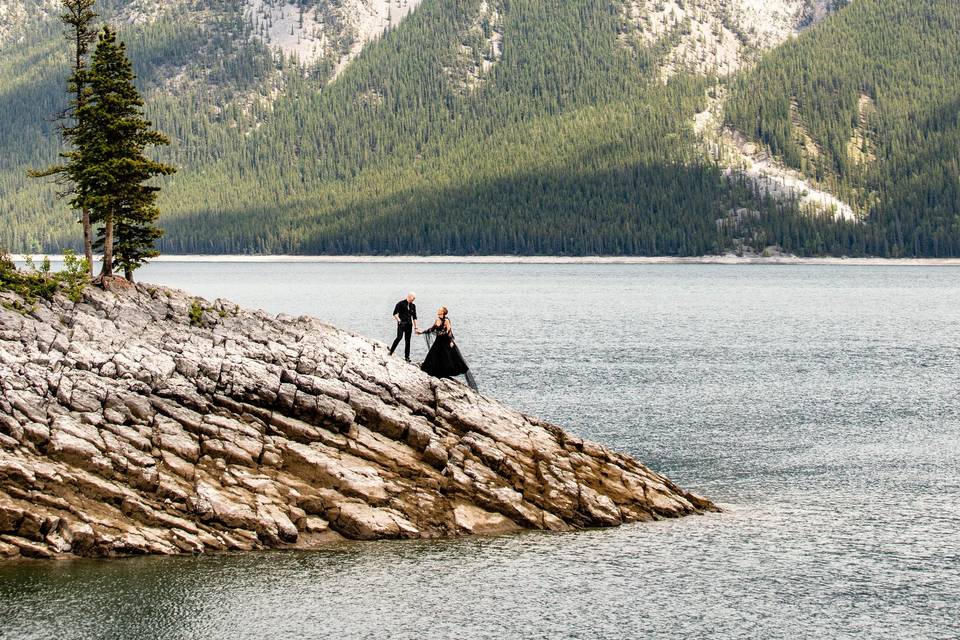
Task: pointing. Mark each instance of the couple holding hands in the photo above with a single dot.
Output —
(444, 359)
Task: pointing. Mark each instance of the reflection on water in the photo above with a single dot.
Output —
(818, 404)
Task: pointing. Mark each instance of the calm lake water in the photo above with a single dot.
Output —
(819, 405)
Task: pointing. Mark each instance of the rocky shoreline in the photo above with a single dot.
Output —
(142, 420)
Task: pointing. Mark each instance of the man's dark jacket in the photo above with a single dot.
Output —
(406, 311)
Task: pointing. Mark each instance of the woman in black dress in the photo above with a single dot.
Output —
(444, 359)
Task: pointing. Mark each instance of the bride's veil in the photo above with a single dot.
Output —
(471, 380)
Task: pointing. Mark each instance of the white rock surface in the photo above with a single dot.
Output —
(324, 30)
(715, 36)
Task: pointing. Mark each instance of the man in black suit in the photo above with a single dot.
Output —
(405, 313)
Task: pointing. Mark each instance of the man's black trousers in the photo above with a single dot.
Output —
(404, 331)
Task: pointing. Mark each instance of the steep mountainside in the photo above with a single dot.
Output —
(868, 106)
(476, 126)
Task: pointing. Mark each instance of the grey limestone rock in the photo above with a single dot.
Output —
(126, 427)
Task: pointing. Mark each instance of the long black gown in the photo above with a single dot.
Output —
(444, 359)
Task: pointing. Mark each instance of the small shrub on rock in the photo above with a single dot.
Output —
(34, 283)
(196, 313)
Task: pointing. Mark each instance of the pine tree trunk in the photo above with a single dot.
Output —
(128, 274)
(88, 241)
(107, 270)
(87, 230)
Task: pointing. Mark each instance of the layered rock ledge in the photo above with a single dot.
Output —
(143, 420)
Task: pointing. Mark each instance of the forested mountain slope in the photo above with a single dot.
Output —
(868, 104)
(211, 70)
(475, 126)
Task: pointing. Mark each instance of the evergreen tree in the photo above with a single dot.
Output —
(135, 235)
(78, 17)
(113, 167)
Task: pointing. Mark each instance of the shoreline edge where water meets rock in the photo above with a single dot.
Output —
(143, 420)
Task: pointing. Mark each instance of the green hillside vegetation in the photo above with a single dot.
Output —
(552, 154)
(877, 89)
(569, 145)
(32, 77)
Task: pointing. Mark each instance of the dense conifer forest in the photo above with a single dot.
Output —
(558, 140)
(877, 91)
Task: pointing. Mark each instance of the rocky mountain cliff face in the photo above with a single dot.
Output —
(707, 36)
(311, 31)
(141, 420)
(716, 37)
(334, 30)
(18, 16)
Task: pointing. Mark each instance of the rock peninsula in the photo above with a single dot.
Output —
(141, 420)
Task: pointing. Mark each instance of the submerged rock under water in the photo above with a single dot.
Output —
(144, 420)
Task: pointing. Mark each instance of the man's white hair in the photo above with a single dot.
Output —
(411, 295)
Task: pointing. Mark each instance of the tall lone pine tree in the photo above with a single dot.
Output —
(78, 19)
(111, 166)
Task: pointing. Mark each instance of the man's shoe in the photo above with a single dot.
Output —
(407, 359)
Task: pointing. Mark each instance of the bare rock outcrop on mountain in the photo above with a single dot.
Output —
(318, 30)
(142, 420)
(716, 37)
